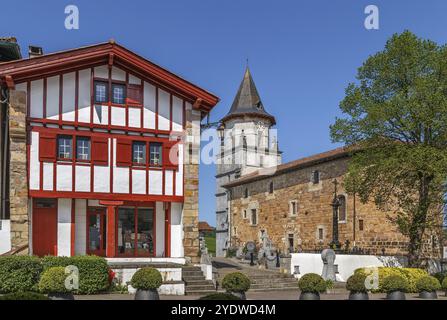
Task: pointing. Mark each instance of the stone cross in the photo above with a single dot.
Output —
(328, 257)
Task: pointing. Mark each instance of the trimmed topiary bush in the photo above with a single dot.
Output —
(428, 284)
(312, 283)
(220, 296)
(52, 280)
(236, 282)
(444, 285)
(19, 273)
(356, 283)
(395, 283)
(24, 295)
(410, 274)
(93, 271)
(146, 279)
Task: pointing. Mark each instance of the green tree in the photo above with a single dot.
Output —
(395, 118)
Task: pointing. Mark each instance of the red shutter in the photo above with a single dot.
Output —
(47, 147)
(134, 94)
(170, 154)
(123, 153)
(100, 150)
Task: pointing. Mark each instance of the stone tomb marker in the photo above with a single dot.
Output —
(328, 257)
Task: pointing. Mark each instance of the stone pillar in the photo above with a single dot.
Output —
(18, 184)
(191, 191)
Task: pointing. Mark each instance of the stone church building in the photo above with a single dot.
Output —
(290, 203)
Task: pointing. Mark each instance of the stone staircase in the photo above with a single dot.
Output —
(261, 279)
(195, 283)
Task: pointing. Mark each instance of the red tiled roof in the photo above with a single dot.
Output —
(296, 164)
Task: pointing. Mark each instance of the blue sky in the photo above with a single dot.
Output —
(302, 54)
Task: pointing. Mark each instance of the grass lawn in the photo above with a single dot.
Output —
(211, 244)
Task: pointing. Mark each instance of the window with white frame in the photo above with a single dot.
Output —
(293, 208)
(118, 93)
(83, 148)
(139, 152)
(64, 147)
(155, 154)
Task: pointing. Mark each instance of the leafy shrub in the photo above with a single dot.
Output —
(444, 284)
(146, 279)
(19, 273)
(428, 283)
(440, 276)
(356, 283)
(412, 275)
(395, 283)
(52, 280)
(220, 296)
(329, 284)
(93, 271)
(236, 282)
(24, 295)
(312, 283)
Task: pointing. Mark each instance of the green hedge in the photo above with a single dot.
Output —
(312, 282)
(236, 282)
(19, 273)
(52, 280)
(93, 271)
(411, 275)
(146, 279)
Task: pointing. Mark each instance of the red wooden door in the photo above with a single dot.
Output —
(96, 231)
(44, 227)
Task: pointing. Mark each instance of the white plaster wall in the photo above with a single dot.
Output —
(68, 96)
(164, 109)
(176, 230)
(82, 181)
(64, 227)
(64, 176)
(179, 173)
(347, 264)
(53, 98)
(155, 181)
(169, 181)
(101, 114)
(48, 170)
(84, 95)
(36, 99)
(101, 72)
(101, 181)
(139, 181)
(134, 80)
(80, 226)
(34, 173)
(149, 106)
(177, 114)
(121, 180)
(5, 236)
(160, 227)
(118, 116)
(134, 117)
(118, 74)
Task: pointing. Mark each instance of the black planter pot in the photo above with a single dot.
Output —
(61, 296)
(240, 295)
(358, 296)
(428, 295)
(309, 296)
(151, 294)
(395, 295)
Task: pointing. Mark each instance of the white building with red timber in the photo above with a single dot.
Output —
(111, 143)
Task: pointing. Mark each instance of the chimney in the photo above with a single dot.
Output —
(34, 51)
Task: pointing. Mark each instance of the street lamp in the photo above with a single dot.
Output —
(335, 205)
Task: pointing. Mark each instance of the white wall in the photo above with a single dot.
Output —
(176, 230)
(5, 236)
(160, 229)
(64, 227)
(347, 264)
(80, 226)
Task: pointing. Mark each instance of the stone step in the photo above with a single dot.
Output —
(191, 269)
(197, 282)
(192, 273)
(272, 285)
(198, 288)
(199, 292)
(201, 277)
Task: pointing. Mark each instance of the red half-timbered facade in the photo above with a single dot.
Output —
(106, 151)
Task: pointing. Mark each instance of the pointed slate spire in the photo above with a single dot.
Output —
(247, 100)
